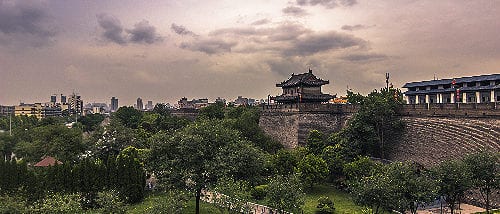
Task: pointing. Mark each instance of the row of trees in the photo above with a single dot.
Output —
(404, 186)
(223, 143)
(124, 174)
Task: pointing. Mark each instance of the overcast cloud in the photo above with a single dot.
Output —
(164, 50)
(27, 21)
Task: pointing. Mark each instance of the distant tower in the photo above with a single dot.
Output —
(149, 106)
(114, 104)
(63, 99)
(76, 104)
(139, 105)
(53, 98)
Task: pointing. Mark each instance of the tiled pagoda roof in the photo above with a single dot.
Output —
(305, 79)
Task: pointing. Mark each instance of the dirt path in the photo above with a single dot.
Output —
(464, 209)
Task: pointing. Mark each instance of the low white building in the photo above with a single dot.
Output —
(475, 89)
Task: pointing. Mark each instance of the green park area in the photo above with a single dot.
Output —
(155, 162)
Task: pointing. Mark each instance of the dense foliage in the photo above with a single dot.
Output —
(106, 162)
(375, 128)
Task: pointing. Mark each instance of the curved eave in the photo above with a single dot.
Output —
(313, 84)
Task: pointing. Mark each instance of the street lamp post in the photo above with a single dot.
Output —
(10, 123)
(387, 81)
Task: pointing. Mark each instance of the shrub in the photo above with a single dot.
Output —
(12, 205)
(109, 202)
(59, 203)
(325, 205)
(259, 192)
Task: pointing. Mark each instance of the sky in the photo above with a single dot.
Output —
(165, 50)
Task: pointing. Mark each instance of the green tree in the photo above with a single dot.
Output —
(131, 176)
(453, 180)
(285, 193)
(373, 191)
(198, 156)
(64, 143)
(168, 123)
(410, 188)
(128, 116)
(246, 120)
(234, 196)
(485, 173)
(91, 122)
(311, 170)
(162, 109)
(7, 144)
(354, 98)
(285, 161)
(213, 111)
(335, 160)
(108, 142)
(315, 142)
(362, 167)
(376, 127)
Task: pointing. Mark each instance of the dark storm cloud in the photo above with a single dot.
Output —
(294, 11)
(320, 42)
(354, 27)
(209, 46)
(327, 3)
(25, 20)
(181, 30)
(113, 30)
(284, 66)
(364, 57)
(143, 32)
(261, 22)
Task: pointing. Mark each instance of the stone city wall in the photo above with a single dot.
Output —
(452, 109)
(290, 124)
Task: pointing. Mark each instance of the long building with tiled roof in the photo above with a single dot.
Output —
(302, 88)
(475, 89)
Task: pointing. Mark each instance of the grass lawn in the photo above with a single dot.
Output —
(141, 208)
(343, 202)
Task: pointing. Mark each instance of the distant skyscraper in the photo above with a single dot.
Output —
(75, 104)
(63, 99)
(139, 105)
(53, 99)
(114, 104)
(149, 106)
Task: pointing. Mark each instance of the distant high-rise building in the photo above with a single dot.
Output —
(114, 104)
(53, 99)
(149, 106)
(139, 105)
(75, 104)
(63, 99)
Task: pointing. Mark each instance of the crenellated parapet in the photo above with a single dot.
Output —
(491, 109)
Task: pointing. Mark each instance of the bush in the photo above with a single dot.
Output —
(109, 202)
(259, 192)
(325, 205)
(59, 203)
(12, 205)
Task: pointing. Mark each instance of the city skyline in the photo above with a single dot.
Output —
(165, 50)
